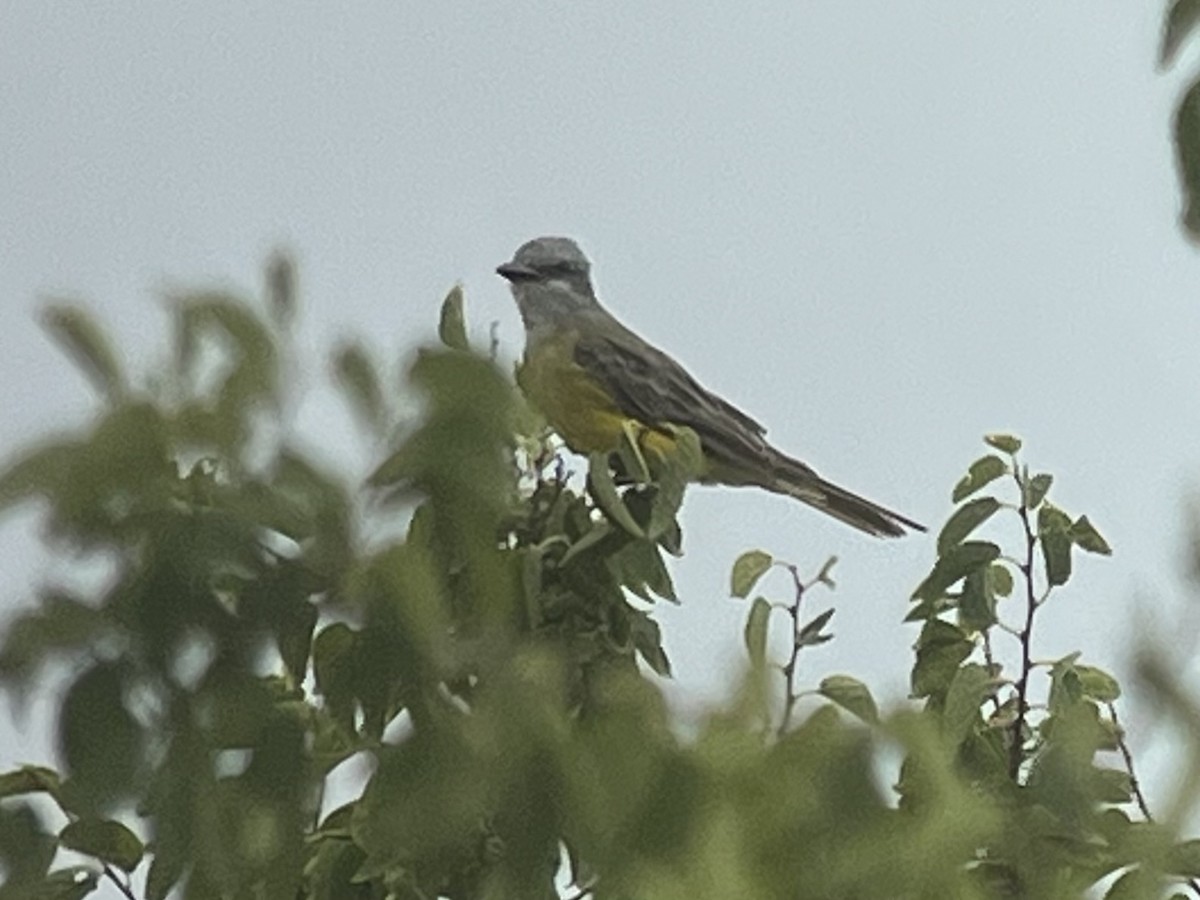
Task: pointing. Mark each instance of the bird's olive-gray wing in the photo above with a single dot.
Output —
(651, 387)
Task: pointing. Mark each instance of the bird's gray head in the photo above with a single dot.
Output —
(549, 278)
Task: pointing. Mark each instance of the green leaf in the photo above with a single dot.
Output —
(1000, 579)
(1005, 443)
(1111, 786)
(1184, 859)
(604, 491)
(1085, 536)
(755, 632)
(104, 839)
(26, 850)
(956, 564)
(29, 780)
(747, 570)
(166, 868)
(42, 471)
(101, 742)
(647, 640)
(452, 326)
(1135, 883)
(1036, 488)
(281, 287)
(1098, 684)
(72, 883)
(356, 374)
(639, 566)
(1187, 149)
(981, 472)
(977, 603)
(811, 633)
(851, 695)
(673, 473)
(1181, 21)
(81, 338)
(965, 519)
(1054, 536)
(970, 687)
(941, 648)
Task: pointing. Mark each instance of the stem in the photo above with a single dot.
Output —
(789, 670)
(122, 886)
(1135, 786)
(1025, 636)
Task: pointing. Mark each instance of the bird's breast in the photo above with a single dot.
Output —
(572, 400)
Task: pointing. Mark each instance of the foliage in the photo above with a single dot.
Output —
(1179, 29)
(262, 624)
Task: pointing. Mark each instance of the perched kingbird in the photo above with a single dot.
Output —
(592, 377)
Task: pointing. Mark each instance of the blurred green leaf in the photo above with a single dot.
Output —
(29, 780)
(747, 570)
(1185, 859)
(1187, 149)
(965, 519)
(1098, 684)
(78, 334)
(977, 603)
(941, 648)
(281, 287)
(1085, 536)
(850, 694)
(1005, 443)
(100, 741)
(981, 473)
(1181, 21)
(358, 377)
(755, 632)
(969, 688)
(26, 850)
(60, 625)
(41, 471)
(452, 327)
(104, 839)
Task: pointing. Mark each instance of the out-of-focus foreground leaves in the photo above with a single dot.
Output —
(262, 623)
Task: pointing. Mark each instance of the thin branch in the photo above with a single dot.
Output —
(122, 885)
(1135, 786)
(789, 670)
(1025, 636)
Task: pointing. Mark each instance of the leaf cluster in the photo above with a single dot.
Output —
(490, 666)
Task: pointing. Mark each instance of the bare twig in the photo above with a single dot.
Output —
(122, 884)
(789, 670)
(1135, 786)
(1025, 636)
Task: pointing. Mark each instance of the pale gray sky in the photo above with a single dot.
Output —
(881, 228)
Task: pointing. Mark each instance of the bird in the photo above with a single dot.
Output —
(592, 378)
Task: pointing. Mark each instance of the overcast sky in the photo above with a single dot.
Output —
(881, 228)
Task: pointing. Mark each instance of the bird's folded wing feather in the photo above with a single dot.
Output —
(652, 388)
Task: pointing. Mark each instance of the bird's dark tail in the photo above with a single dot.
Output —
(795, 479)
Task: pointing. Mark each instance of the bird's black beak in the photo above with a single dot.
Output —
(515, 272)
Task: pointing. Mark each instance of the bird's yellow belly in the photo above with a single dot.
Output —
(576, 405)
